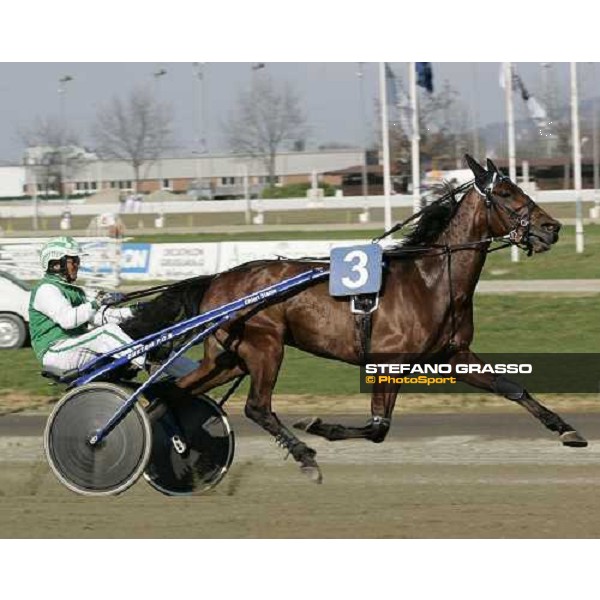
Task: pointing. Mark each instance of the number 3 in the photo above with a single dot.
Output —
(361, 262)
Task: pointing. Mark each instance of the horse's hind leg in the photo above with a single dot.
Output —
(262, 353)
(515, 392)
(376, 429)
(216, 368)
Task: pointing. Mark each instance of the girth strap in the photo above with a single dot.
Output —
(363, 306)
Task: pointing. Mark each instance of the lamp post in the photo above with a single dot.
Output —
(365, 217)
(199, 69)
(62, 88)
(62, 98)
(157, 76)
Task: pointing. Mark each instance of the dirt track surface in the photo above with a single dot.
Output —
(437, 476)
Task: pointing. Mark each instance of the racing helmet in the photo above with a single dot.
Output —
(58, 248)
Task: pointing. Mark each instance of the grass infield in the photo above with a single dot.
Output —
(504, 323)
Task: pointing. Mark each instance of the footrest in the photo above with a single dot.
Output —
(59, 375)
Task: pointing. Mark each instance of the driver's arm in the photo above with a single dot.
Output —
(50, 302)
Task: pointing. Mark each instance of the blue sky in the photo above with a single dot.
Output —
(329, 92)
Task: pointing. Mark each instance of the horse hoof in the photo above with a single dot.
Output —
(307, 423)
(573, 440)
(313, 473)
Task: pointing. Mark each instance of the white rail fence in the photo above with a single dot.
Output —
(55, 208)
(108, 263)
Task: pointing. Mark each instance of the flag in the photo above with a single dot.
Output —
(518, 84)
(392, 90)
(405, 114)
(398, 100)
(398, 103)
(536, 111)
(424, 75)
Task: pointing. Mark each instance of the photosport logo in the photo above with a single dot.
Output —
(550, 373)
(408, 374)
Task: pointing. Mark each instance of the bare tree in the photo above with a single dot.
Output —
(53, 152)
(135, 130)
(265, 117)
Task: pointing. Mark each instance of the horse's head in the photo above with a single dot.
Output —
(510, 211)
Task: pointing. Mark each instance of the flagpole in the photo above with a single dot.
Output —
(595, 212)
(385, 141)
(510, 119)
(365, 216)
(416, 171)
(576, 159)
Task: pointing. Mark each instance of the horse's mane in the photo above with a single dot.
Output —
(434, 219)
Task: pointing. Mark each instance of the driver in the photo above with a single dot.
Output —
(67, 329)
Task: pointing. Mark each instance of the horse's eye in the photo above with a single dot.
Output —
(503, 194)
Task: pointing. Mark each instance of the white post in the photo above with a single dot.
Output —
(387, 188)
(525, 171)
(99, 186)
(314, 181)
(34, 197)
(415, 149)
(576, 159)
(510, 119)
(248, 214)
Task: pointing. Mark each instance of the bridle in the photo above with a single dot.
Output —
(518, 235)
(519, 220)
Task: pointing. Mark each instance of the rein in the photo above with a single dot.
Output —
(159, 288)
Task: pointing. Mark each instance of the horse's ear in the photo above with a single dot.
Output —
(492, 167)
(479, 172)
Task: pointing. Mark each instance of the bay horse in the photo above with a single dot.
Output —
(425, 308)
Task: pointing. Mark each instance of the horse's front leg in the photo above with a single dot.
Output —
(376, 429)
(262, 353)
(515, 392)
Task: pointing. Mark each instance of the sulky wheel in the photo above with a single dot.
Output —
(117, 461)
(192, 444)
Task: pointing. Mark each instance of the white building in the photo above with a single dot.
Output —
(217, 176)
